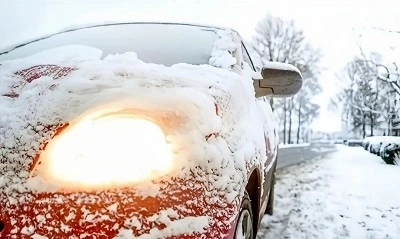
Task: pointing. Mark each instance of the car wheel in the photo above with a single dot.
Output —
(244, 226)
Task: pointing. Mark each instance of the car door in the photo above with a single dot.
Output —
(270, 135)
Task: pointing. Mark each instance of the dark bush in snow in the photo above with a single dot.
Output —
(387, 147)
(365, 144)
(374, 147)
(391, 154)
(382, 150)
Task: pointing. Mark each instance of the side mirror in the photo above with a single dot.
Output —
(278, 79)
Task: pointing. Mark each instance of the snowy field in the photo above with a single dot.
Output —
(348, 194)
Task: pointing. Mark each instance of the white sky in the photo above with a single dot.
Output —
(333, 26)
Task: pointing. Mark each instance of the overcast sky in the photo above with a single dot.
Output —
(332, 26)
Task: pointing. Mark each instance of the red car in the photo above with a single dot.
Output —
(137, 130)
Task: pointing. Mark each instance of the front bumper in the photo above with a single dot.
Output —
(182, 209)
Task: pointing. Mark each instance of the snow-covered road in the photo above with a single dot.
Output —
(348, 194)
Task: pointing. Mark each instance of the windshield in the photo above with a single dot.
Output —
(166, 44)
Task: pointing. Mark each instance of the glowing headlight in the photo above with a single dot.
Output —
(110, 150)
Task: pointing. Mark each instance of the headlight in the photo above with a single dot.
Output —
(108, 150)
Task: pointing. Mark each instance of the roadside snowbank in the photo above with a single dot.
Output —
(283, 146)
(382, 139)
(351, 194)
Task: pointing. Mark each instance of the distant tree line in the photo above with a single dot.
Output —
(368, 98)
(277, 40)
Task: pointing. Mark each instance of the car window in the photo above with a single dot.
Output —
(166, 44)
(246, 57)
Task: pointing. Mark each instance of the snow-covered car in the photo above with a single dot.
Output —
(96, 143)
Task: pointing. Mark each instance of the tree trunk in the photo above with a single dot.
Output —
(372, 123)
(290, 122)
(364, 124)
(284, 120)
(299, 124)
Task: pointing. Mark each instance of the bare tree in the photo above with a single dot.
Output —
(371, 86)
(363, 97)
(388, 71)
(278, 40)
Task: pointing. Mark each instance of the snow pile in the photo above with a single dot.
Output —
(384, 146)
(283, 146)
(209, 117)
(351, 194)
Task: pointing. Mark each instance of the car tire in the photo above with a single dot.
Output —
(245, 224)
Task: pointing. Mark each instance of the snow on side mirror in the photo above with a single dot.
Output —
(279, 79)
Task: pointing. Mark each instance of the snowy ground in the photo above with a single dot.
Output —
(348, 194)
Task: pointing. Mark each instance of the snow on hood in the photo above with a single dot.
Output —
(215, 126)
